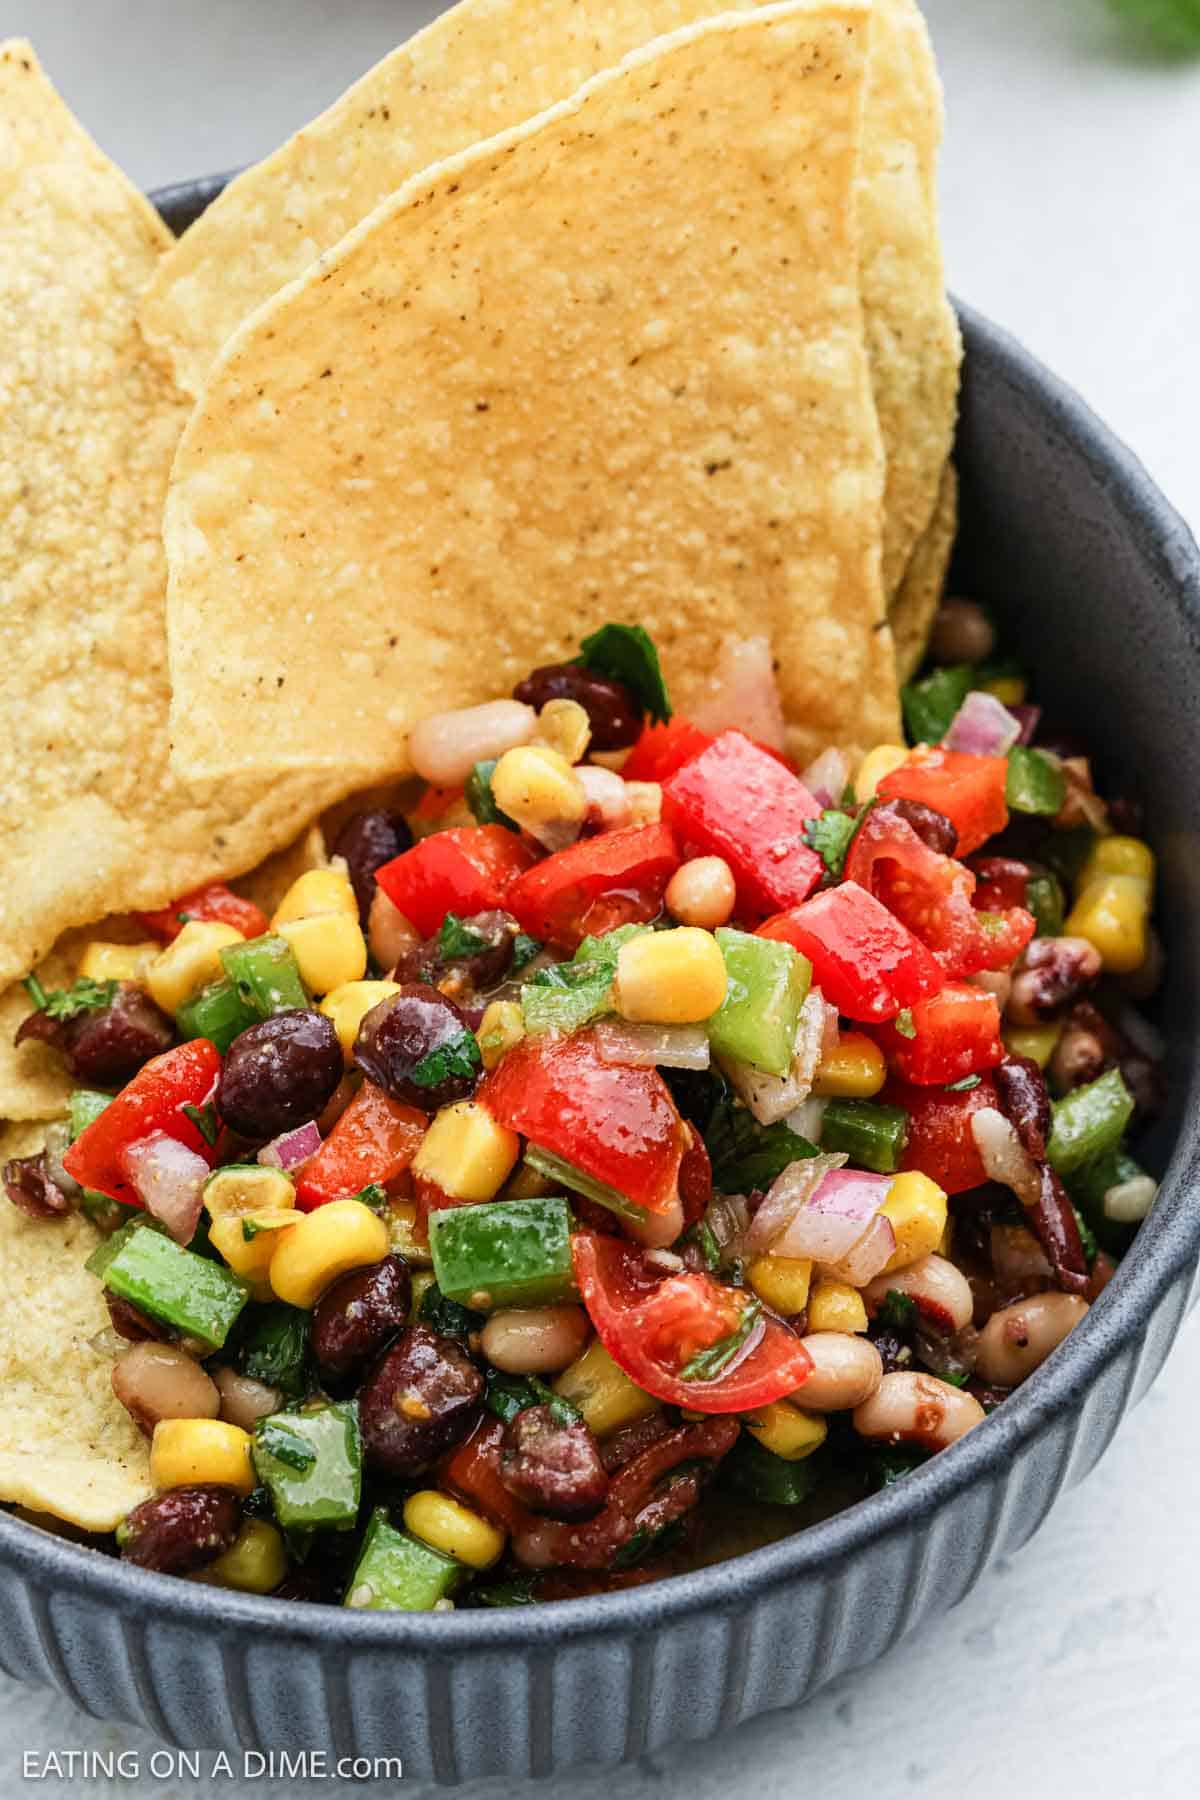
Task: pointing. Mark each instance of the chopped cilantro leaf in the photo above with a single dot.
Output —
(703, 1238)
(525, 948)
(285, 1446)
(904, 1022)
(68, 1003)
(447, 1317)
(373, 1196)
(898, 1311)
(746, 1155)
(458, 939)
(964, 1086)
(626, 653)
(830, 835)
(706, 1365)
(457, 1056)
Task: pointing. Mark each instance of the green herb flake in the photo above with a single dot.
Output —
(518, 1592)
(373, 1196)
(929, 706)
(287, 1447)
(456, 939)
(904, 1019)
(702, 1238)
(706, 1365)
(830, 835)
(204, 1118)
(964, 1086)
(69, 1003)
(447, 1317)
(898, 1312)
(525, 948)
(480, 798)
(745, 1155)
(626, 653)
(459, 1056)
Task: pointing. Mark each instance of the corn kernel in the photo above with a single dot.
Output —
(401, 1220)
(786, 1431)
(250, 1257)
(854, 1071)
(1009, 690)
(1113, 914)
(537, 787)
(917, 1209)
(242, 1188)
(315, 892)
(255, 1562)
(644, 799)
(184, 966)
(874, 766)
(835, 1306)
(326, 1243)
(1118, 856)
(347, 1006)
(563, 725)
(466, 1152)
(330, 950)
(117, 962)
(453, 1529)
(670, 977)
(201, 1452)
(604, 1394)
(501, 1027)
(782, 1281)
(1037, 1042)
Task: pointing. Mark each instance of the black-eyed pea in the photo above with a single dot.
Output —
(912, 1408)
(1018, 1339)
(846, 1371)
(939, 1288)
(535, 1340)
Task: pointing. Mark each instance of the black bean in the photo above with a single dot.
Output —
(933, 828)
(420, 963)
(478, 970)
(403, 1033)
(420, 1401)
(552, 1468)
(367, 841)
(31, 1188)
(1054, 973)
(129, 1322)
(180, 1530)
(613, 713)
(358, 1315)
(105, 1046)
(279, 1073)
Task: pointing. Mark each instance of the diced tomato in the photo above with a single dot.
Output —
(374, 1140)
(1001, 882)
(865, 962)
(738, 801)
(436, 802)
(597, 884)
(467, 870)
(153, 1101)
(932, 894)
(940, 1143)
(473, 1471)
(616, 1124)
(652, 1324)
(215, 903)
(662, 749)
(967, 790)
(695, 1179)
(955, 1034)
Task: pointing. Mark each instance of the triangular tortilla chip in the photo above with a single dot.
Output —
(920, 593)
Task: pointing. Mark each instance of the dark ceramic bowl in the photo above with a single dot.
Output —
(1064, 532)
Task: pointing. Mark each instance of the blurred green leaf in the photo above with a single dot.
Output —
(1170, 24)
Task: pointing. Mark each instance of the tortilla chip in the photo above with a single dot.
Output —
(516, 402)
(67, 1445)
(91, 821)
(924, 581)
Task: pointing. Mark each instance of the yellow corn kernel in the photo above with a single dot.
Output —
(1037, 1042)
(603, 1393)
(401, 1220)
(563, 725)
(250, 1257)
(117, 962)
(917, 1209)
(1118, 856)
(537, 787)
(782, 1281)
(325, 1244)
(670, 977)
(835, 1306)
(347, 1006)
(501, 1027)
(201, 1452)
(315, 892)
(874, 766)
(1113, 914)
(243, 1188)
(422, 1281)
(785, 1430)
(255, 1562)
(330, 950)
(644, 799)
(466, 1152)
(453, 1529)
(854, 1071)
(1009, 690)
(183, 967)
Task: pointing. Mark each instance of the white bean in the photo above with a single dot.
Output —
(608, 803)
(657, 1231)
(702, 892)
(909, 1408)
(389, 933)
(538, 1340)
(1018, 1339)
(158, 1381)
(941, 1291)
(846, 1371)
(445, 747)
(243, 1400)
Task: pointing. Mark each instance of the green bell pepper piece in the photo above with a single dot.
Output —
(768, 983)
(200, 1298)
(1035, 782)
(930, 705)
(1088, 1122)
(266, 975)
(218, 1013)
(312, 1463)
(566, 996)
(869, 1133)
(398, 1573)
(1044, 898)
(84, 1105)
(503, 1253)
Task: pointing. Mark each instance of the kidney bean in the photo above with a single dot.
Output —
(1054, 973)
(280, 1073)
(961, 633)
(917, 1409)
(1054, 1221)
(552, 1468)
(420, 1400)
(159, 1381)
(613, 714)
(105, 1046)
(245, 1401)
(1018, 1339)
(180, 1530)
(627, 1441)
(365, 842)
(1024, 1102)
(400, 1033)
(356, 1317)
(933, 828)
(1021, 1089)
(845, 1371)
(30, 1187)
(129, 1322)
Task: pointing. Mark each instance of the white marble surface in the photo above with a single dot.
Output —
(1070, 216)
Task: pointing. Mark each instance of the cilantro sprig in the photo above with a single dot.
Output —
(626, 653)
(68, 1003)
(706, 1365)
(830, 835)
(456, 938)
(459, 1055)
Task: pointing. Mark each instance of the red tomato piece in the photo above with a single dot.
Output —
(374, 1140)
(1001, 882)
(865, 962)
(215, 903)
(153, 1101)
(662, 749)
(615, 1124)
(695, 1179)
(955, 1034)
(435, 802)
(473, 1471)
(618, 878)
(967, 790)
(940, 1143)
(466, 870)
(738, 801)
(652, 1325)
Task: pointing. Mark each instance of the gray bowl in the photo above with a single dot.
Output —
(1065, 533)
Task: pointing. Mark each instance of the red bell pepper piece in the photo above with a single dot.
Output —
(466, 870)
(374, 1140)
(597, 884)
(436, 802)
(215, 903)
(652, 1325)
(1001, 882)
(662, 749)
(967, 790)
(473, 1471)
(940, 1143)
(617, 1125)
(738, 801)
(955, 1034)
(153, 1101)
(865, 962)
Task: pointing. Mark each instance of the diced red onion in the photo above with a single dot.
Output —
(653, 1046)
(607, 797)
(168, 1179)
(868, 1256)
(743, 692)
(835, 1217)
(1004, 1157)
(292, 1149)
(808, 1118)
(982, 726)
(785, 1197)
(1028, 717)
(826, 777)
